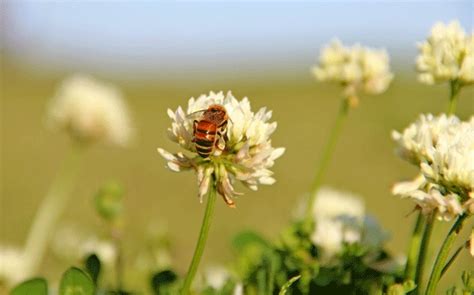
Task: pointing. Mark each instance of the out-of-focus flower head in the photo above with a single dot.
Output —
(247, 156)
(91, 111)
(72, 243)
(216, 277)
(443, 148)
(358, 69)
(12, 265)
(446, 55)
(340, 219)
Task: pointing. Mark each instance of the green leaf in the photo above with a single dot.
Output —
(468, 280)
(76, 282)
(409, 286)
(396, 289)
(36, 286)
(247, 238)
(92, 265)
(163, 280)
(288, 284)
(108, 201)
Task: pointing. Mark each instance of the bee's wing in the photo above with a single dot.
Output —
(195, 114)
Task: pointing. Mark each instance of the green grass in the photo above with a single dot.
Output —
(364, 161)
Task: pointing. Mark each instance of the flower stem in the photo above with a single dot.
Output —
(206, 223)
(443, 253)
(455, 89)
(50, 210)
(423, 250)
(327, 154)
(453, 258)
(414, 250)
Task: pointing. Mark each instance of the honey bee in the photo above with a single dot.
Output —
(210, 131)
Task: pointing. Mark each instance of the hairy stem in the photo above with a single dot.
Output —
(327, 154)
(50, 210)
(443, 254)
(206, 223)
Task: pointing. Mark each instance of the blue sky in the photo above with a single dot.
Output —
(164, 36)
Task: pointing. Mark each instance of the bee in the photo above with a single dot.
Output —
(210, 131)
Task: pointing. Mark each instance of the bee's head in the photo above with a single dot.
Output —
(216, 108)
(216, 113)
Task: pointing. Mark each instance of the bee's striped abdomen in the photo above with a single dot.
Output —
(204, 137)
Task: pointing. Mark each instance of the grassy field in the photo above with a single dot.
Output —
(364, 161)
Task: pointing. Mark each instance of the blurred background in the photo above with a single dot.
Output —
(162, 53)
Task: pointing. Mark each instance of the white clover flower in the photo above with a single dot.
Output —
(339, 218)
(248, 153)
(452, 164)
(12, 265)
(443, 148)
(216, 277)
(71, 243)
(447, 55)
(373, 235)
(416, 142)
(357, 68)
(91, 111)
(239, 289)
(429, 198)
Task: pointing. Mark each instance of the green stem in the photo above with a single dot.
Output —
(327, 155)
(455, 89)
(414, 250)
(50, 210)
(206, 223)
(423, 250)
(443, 254)
(453, 258)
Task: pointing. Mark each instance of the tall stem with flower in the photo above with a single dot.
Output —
(50, 210)
(358, 70)
(446, 56)
(246, 156)
(201, 243)
(90, 111)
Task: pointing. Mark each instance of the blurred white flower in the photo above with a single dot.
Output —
(239, 289)
(373, 235)
(216, 277)
(338, 218)
(12, 265)
(471, 243)
(357, 68)
(248, 154)
(90, 110)
(447, 55)
(71, 243)
(443, 148)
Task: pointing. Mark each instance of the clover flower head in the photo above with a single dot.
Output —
(90, 111)
(416, 142)
(73, 243)
(357, 68)
(446, 55)
(12, 265)
(246, 155)
(443, 148)
(216, 277)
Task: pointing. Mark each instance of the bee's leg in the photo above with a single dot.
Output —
(220, 143)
